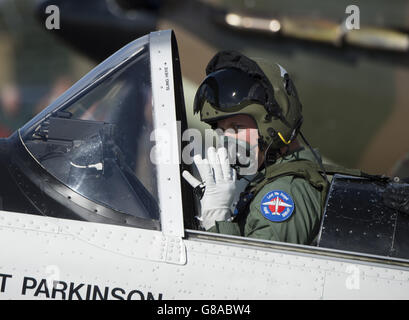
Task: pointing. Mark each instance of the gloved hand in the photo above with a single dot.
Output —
(219, 180)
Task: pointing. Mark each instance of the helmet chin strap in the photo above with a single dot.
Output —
(268, 158)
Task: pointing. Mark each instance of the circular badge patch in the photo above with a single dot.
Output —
(277, 206)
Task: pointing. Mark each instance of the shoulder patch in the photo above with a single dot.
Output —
(277, 206)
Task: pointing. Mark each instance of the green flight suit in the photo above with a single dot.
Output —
(301, 227)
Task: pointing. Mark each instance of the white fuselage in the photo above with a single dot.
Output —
(49, 258)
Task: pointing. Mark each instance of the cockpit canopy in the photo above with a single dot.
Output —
(96, 138)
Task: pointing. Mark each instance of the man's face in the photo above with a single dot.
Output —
(241, 127)
(244, 128)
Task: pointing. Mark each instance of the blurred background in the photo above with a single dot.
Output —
(354, 85)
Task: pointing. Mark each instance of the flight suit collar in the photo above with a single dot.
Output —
(299, 154)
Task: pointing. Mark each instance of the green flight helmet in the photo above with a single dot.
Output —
(237, 85)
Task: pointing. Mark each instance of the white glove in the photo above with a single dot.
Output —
(219, 179)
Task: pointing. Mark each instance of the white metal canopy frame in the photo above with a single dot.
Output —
(168, 112)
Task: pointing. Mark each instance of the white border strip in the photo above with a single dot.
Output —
(164, 115)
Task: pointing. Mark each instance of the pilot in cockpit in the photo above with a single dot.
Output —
(255, 108)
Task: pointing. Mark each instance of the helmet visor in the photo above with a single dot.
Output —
(229, 90)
